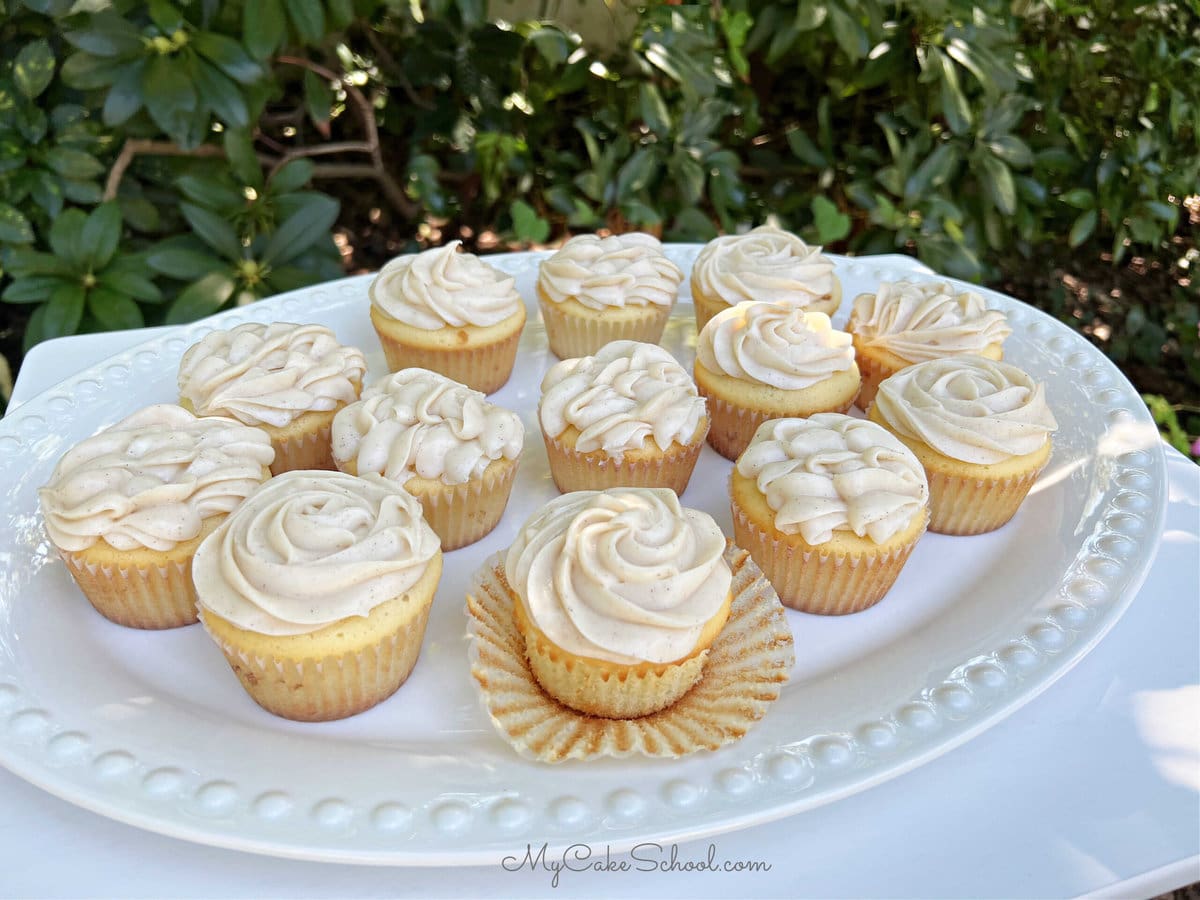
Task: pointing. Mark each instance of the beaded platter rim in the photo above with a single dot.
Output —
(737, 787)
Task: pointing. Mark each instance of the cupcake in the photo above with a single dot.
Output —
(767, 265)
(759, 361)
(627, 417)
(317, 590)
(448, 312)
(619, 595)
(285, 378)
(908, 322)
(980, 428)
(830, 507)
(596, 290)
(447, 446)
(127, 508)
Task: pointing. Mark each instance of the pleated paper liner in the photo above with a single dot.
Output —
(745, 671)
(485, 368)
(572, 335)
(963, 505)
(597, 471)
(873, 372)
(462, 514)
(733, 426)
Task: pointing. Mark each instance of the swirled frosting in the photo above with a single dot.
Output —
(766, 264)
(312, 548)
(620, 270)
(270, 374)
(781, 346)
(627, 392)
(443, 287)
(968, 408)
(152, 479)
(625, 575)
(417, 422)
(832, 472)
(926, 320)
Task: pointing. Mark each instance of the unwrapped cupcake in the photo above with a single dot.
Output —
(445, 443)
(629, 416)
(766, 264)
(907, 322)
(980, 428)
(127, 508)
(318, 591)
(285, 378)
(449, 312)
(595, 290)
(759, 361)
(830, 507)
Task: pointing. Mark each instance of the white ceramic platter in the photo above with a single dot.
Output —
(152, 728)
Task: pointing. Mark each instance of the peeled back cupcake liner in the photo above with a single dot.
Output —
(818, 581)
(485, 368)
(462, 514)
(572, 336)
(965, 505)
(308, 689)
(743, 673)
(597, 471)
(732, 427)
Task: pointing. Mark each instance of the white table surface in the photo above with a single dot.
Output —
(1092, 788)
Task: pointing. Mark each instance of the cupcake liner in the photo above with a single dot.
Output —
(743, 674)
(706, 307)
(312, 449)
(462, 514)
(962, 505)
(151, 597)
(318, 689)
(733, 426)
(596, 471)
(572, 336)
(873, 373)
(817, 581)
(485, 368)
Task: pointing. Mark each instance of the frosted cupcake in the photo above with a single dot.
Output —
(759, 361)
(767, 265)
(980, 428)
(830, 507)
(907, 322)
(127, 508)
(318, 590)
(629, 416)
(448, 447)
(596, 290)
(285, 378)
(448, 312)
(619, 595)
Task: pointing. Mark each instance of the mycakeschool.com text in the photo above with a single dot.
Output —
(646, 857)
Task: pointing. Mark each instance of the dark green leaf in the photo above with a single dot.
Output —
(87, 72)
(100, 235)
(639, 213)
(529, 227)
(139, 213)
(264, 26)
(222, 95)
(229, 56)
(1080, 198)
(998, 183)
(33, 68)
(132, 284)
(302, 229)
(32, 289)
(239, 150)
(308, 18)
(201, 298)
(689, 177)
(636, 173)
(832, 224)
(23, 262)
(113, 310)
(125, 96)
(169, 95)
(33, 328)
(804, 149)
(107, 34)
(66, 236)
(934, 171)
(848, 33)
(14, 227)
(289, 278)
(1012, 150)
(64, 311)
(165, 16)
(954, 104)
(291, 177)
(1083, 228)
(32, 123)
(318, 98)
(692, 225)
(74, 163)
(341, 13)
(211, 192)
(181, 263)
(213, 230)
(552, 44)
(653, 110)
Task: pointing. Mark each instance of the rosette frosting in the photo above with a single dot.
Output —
(781, 346)
(765, 264)
(626, 393)
(968, 408)
(625, 575)
(312, 548)
(918, 321)
(151, 479)
(620, 270)
(831, 472)
(270, 374)
(443, 287)
(417, 422)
